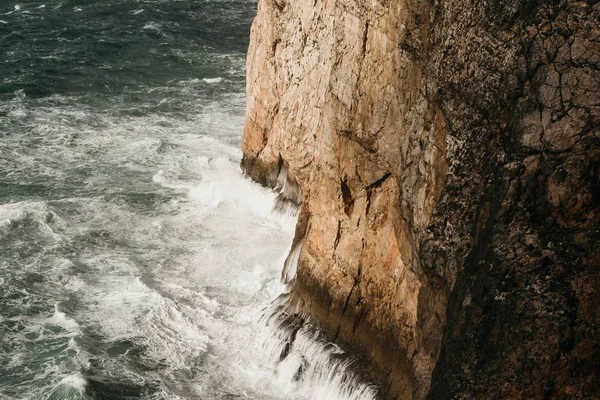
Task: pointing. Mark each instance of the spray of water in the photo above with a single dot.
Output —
(303, 359)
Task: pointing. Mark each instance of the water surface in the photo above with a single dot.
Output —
(136, 262)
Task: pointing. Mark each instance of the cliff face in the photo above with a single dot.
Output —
(446, 156)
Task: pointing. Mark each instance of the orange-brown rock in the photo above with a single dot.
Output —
(446, 156)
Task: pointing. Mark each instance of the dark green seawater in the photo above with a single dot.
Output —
(136, 262)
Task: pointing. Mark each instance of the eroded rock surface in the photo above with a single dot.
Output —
(447, 159)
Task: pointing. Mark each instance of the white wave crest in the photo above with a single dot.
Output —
(59, 318)
(213, 80)
(152, 26)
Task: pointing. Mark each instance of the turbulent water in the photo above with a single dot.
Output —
(136, 262)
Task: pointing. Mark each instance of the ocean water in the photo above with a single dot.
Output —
(136, 261)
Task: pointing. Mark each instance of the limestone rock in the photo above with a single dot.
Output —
(447, 160)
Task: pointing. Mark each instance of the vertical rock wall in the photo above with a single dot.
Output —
(518, 224)
(448, 159)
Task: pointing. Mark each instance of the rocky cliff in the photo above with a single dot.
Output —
(446, 156)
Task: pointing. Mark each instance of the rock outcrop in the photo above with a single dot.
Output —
(446, 156)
